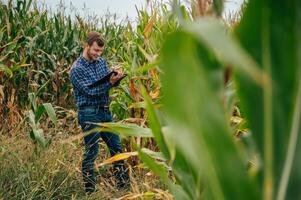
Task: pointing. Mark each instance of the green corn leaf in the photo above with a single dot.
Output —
(32, 98)
(32, 136)
(149, 57)
(155, 124)
(153, 154)
(211, 33)
(178, 192)
(270, 32)
(42, 87)
(39, 112)
(197, 118)
(125, 129)
(154, 166)
(39, 136)
(31, 118)
(51, 112)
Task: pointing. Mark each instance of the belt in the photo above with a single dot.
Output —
(95, 107)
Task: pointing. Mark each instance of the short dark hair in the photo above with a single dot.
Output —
(94, 36)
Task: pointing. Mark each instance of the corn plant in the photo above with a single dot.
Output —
(34, 116)
(267, 75)
(31, 57)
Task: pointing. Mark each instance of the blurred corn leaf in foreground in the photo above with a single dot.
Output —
(270, 32)
(191, 85)
(267, 69)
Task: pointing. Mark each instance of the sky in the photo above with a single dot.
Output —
(122, 8)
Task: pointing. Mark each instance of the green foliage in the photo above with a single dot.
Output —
(34, 115)
(270, 32)
(265, 67)
(192, 127)
(38, 48)
(197, 118)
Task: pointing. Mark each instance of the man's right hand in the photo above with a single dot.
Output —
(116, 75)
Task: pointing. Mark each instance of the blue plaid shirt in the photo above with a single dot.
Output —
(84, 75)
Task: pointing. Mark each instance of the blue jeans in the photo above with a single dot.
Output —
(93, 114)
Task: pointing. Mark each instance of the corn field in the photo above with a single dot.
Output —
(210, 109)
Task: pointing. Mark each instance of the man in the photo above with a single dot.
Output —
(91, 82)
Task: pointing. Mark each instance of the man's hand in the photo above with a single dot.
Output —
(116, 75)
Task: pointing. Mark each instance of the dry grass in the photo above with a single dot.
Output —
(29, 172)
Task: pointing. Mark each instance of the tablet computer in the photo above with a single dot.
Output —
(107, 78)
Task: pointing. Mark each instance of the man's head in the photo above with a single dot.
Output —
(94, 46)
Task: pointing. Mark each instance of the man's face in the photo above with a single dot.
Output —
(94, 51)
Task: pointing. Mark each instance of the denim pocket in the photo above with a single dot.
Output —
(86, 115)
